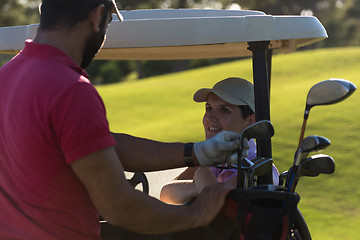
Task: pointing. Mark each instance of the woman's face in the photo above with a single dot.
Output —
(220, 115)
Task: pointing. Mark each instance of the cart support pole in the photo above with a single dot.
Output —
(262, 97)
(269, 54)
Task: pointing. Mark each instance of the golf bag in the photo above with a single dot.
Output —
(257, 214)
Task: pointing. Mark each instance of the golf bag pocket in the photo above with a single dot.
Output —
(254, 214)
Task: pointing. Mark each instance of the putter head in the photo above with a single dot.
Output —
(317, 164)
(330, 91)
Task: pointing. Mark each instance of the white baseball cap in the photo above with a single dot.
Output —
(236, 91)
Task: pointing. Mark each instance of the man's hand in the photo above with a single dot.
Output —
(217, 150)
(209, 203)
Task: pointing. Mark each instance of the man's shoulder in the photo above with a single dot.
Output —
(50, 61)
(46, 78)
(51, 71)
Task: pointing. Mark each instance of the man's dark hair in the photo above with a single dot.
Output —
(67, 13)
(245, 111)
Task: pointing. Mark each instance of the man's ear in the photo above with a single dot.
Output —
(95, 17)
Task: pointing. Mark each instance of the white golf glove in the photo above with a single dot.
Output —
(244, 152)
(217, 150)
(245, 148)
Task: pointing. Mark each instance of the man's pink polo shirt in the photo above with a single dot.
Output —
(50, 116)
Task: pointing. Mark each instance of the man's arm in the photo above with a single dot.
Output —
(122, 205)
(141, 155)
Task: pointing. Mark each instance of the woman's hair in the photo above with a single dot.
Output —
(245, 111)
(67, 13)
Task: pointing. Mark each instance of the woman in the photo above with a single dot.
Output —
(229, 107)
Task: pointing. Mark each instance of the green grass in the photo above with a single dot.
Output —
(161, 108)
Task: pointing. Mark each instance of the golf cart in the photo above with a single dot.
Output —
(196, 34)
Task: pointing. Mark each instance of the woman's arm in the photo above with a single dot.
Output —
(204, 177)
(184, 188)
(181, 189)
(178, 191)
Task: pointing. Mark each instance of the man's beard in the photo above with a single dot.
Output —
(92, 46)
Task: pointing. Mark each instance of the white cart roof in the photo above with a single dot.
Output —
(160, 34)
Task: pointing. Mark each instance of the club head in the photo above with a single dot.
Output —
(327, 92)
(260, 129)
(261, 166)
(330, 91)
(317, 164)
(255, 167)
(283, 176)
(314, 143)
(309, 144)
(246, 164)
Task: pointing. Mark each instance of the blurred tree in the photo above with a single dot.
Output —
(339, 17)
(102, 71)
(150, 4)
(138, 4)
(344, 25)
(16, 12)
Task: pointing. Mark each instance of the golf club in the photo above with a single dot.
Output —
(317, 164)
(258, 130)
(246, 165)
(261, 167)
(312, 167)
(327, 92)
(309, 144)
(251, 168)
(283, 177)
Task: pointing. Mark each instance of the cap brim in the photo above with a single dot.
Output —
(202, 94)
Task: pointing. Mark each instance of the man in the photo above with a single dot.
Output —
(60, 167)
